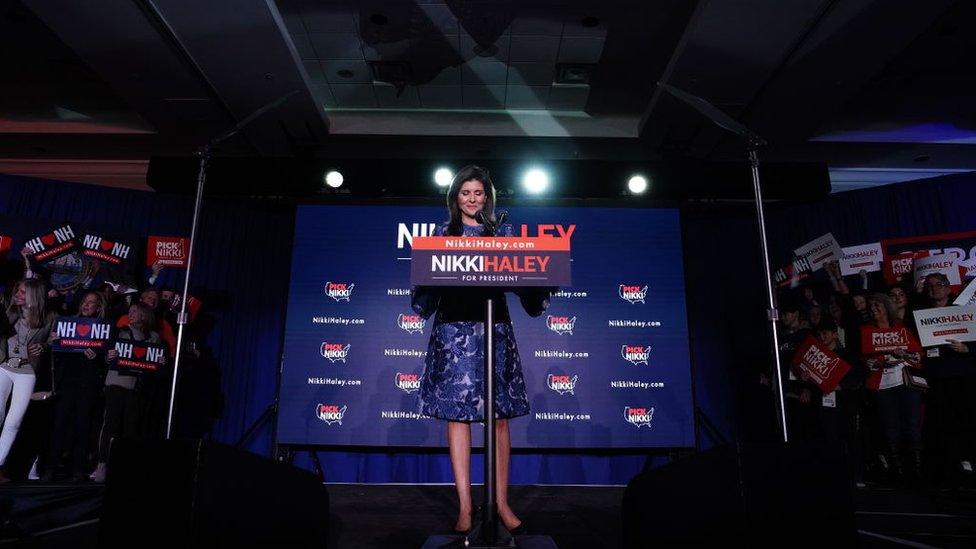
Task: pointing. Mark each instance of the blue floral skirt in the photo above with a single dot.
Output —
(451, 386)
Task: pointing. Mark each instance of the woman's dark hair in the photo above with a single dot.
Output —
(465, 174)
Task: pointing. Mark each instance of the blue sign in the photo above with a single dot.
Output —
(606, 366)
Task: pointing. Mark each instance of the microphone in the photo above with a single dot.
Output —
(490, 227)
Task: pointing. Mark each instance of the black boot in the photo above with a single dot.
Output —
(913, 470)
(896, 468)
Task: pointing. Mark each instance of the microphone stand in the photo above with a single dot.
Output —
(205, 154)
(753, 144)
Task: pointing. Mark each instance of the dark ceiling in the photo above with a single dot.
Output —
(879, 90)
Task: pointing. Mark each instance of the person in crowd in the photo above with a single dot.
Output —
(21, 356)
(78, 377)
(900, 301)
(861, 310)
(951, 412)
(451, 386)
(150, 297)
(840, 409)
(125, 400)
(889, 352)
(800, 396)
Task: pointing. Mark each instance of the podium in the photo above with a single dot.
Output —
(500, 262)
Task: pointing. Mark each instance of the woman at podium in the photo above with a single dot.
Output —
(451, 387)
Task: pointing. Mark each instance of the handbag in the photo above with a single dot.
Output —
(914, 381)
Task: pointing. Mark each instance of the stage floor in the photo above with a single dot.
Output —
(402, 516)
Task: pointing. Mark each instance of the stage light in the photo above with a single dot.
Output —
(637, 184)
(333, 179)
(535, 181)
(443, 177)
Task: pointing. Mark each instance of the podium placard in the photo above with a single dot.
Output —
(490, 261)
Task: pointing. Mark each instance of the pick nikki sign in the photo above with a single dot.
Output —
(76, 334)
(139, 357)
(816, 363)
(105, 250)
(169, 251)
(59, 242)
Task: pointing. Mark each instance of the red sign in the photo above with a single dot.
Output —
(885, 340)
(169, 251)
(816, 363)
(5, 243)
(960, 245)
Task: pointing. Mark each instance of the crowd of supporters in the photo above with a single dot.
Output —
(906, 416)
(61, 411)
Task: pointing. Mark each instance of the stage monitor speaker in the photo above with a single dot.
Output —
(745, 495)
(191, 493)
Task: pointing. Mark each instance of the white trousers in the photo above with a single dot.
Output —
(20, 386)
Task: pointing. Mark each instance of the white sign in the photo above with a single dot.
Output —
(866, 257)
(937, 326)
(820, 251)
(942, 263)
(967, 296)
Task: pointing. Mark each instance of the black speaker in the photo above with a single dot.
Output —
(192, 493)
(745, 495)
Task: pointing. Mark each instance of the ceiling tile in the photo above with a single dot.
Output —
(484, 72)
(387, 51)
(361, 73)
(469, 49)
(531, 74)
(440, 97)
(314, 71)
(568, 98)
(450, 76)
(538, 22)
(387, 96)
(293, 21)
(534, 48)
(483, 97)
(323, 93)
(304, 46)
(441, 17)
(527, 97)
(328, 18)
(575, 26)
(354, 95)
(580, 49)
(336, 46)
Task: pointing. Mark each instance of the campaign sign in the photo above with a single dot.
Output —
(61, 241)
(170, 251)
(818, 364)
(137, 357)
(942, 263)
(898, 266)
(968, 295)
(938, 325)
(5, 243)
(820, 251)
(960, 245)
(76, 334)
(490, 261)
(865, 257)
(792, 274)
(886, 340)
(105, 250)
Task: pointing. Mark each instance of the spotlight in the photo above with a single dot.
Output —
(443, 177)
(333, 179)
(535, 181)
(637, 184)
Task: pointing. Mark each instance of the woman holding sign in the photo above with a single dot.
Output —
(77, 380)
(892, 354)
(451, 387)
(25, 342)
(125, 403)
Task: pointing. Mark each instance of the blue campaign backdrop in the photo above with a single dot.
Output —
(245, 256)
(616, 375)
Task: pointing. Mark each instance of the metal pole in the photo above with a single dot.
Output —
(490, 516)
(772, 313)
(181, 320)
